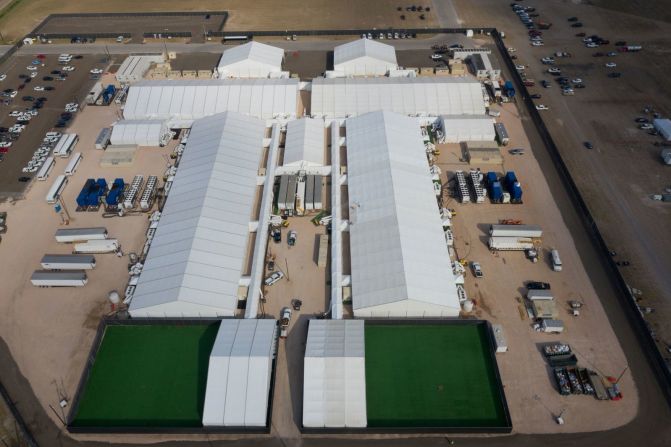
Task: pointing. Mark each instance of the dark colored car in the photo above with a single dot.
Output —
(536, 96)
(55, 72)
(582, 85)
(620, 43)
(21, 86)
(38, 105)
(24, 76)
(49, 88)
(598, 55)
(580, 35)
(576, 25)
(538, 285)
(60, 124)
(572, 19)
(77, 56)
(47, 78)
(642, 120)
(588, 145)
(42, 98)
(24, 179)
(614, 75)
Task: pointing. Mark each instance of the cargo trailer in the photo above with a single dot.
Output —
(497, 230)
(510, 243)
(97, 246)
(103, 139)
(46, 278)
(69, 235)
(322, 256)
(46, 169)
(319, 185)
(65, 145)
(56, 189)
(68, 262)
(536, 294)
(73, 164)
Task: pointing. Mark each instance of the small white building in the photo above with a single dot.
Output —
(239, 374)
(663, 126)
(251, 60)
(364, 57)
(304, 146)
(334, 375)
(482, 67)
(461, 128)
(133, 68)
(139, 132)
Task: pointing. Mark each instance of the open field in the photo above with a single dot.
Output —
(431, 376)
(244, 15)
(148, 376)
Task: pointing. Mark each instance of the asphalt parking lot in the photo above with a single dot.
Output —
(74, 89)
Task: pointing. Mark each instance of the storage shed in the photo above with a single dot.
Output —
(304, 144)
(364, 57)
(239, 374)
(140, 132)
(398, 252)
(334, 376)
(460, 128)
(133, 68)
(663, 126)
(251, 60)
(196, 257)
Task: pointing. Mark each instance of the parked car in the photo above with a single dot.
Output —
(611, 65)
(517, 151)
(642, 120)
(646, 126)
(536, 96)
(588, 145)
(614, 75)
(291, 238)
(542, 107)
(537, 285)
(477, 270)
(273, 278)
(576, 25)
(276, 234)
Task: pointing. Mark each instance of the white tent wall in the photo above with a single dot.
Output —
(140, 132)
(364, 57)
(398, 252)
(251, 60)
(239, 374)
(194, 264)
(460, 128)
(304, 145)
(185, 101)
(423, 96)
(334, 382)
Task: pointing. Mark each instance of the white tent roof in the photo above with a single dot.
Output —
(140, 132)
(239, 373)
(190, 100)
(458, 128)
(364, 56)
(304, 144)
(253, 59)
(334, 379)
(399, 256)
(422, 96)
(193, 267)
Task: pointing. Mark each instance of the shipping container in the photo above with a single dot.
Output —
(97, 246)
(73, 164)
(69, 235)
(322, 256)
(56, 189)
(68, 262)
(497, 230)
(46, 169)
(47, 278)
(510, 243)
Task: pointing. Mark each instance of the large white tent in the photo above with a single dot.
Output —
(239, 374)
(364, 57)
(140, 132)
(399, 258)
(251, 60)
(196, 257)
(459, 128)
(334, 376)
(304, 144)
(422, 96)
(181, 102)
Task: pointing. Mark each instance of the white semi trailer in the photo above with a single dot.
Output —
(46, 278)
(516, 230)
(104, 246)
(69, 235)
(510, 243)
(68, 262)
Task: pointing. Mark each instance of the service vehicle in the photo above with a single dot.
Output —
(477, 269)
(273, 278)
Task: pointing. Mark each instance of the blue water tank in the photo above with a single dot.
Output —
(516, 192)
(491, 178)
(82, 198)
(496, 192)
(510, 180)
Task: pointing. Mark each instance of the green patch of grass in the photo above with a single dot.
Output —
(431, 376)
(148, 376)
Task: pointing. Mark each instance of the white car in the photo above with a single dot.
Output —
(542, 107)
(53, 135)
(5, 143)
(272, 279)
(548, 60)
(33, 74)
(576, 81)
(554, 70)
(68, 68)
(96, 71)
(31, 68)
(38, 88)
(520, 67)
(591, 45)
(611, 65)
(14, 113)
(567, 91)
(511, 50)
(13, 94)
(3, 77)
(646, 126)
(436, 57)
(537, 43)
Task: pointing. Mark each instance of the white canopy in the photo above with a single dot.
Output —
(422, 96)
(364, 57)
(194, 264)
(251, 60)
(304, 144)
(334, 376)
(399, 257)
(190, 100)
(459, 128)
(239, 373)
(140, 132)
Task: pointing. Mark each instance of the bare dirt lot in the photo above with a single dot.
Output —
(618, 176)
(243, 15)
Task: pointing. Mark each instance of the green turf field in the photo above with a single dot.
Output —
(148, 376)
(431, 376)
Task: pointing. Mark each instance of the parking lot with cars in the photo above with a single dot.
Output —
(39, 106)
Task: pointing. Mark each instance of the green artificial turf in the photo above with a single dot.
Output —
(431, 376)
(148, 376)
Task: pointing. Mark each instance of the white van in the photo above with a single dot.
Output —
(556, 261)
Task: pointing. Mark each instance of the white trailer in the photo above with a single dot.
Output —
(103, 139)
(540, 295)
(68, 262)
(56, 189)
(510, 243)
(46, 169)
(73, 164)
(300, 196)
(499, 338)
(317, 202)
(96, 246)
(554, 326)
(516, 230)
(65, 145)
(69, 235)
(46, 278)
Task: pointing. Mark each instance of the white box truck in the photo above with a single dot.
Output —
(105, 246)
(68, 262)
(556, 261)
(45, 278)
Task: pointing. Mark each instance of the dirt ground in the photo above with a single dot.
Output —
(532, 395)
(624, 169)
(243, 15)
